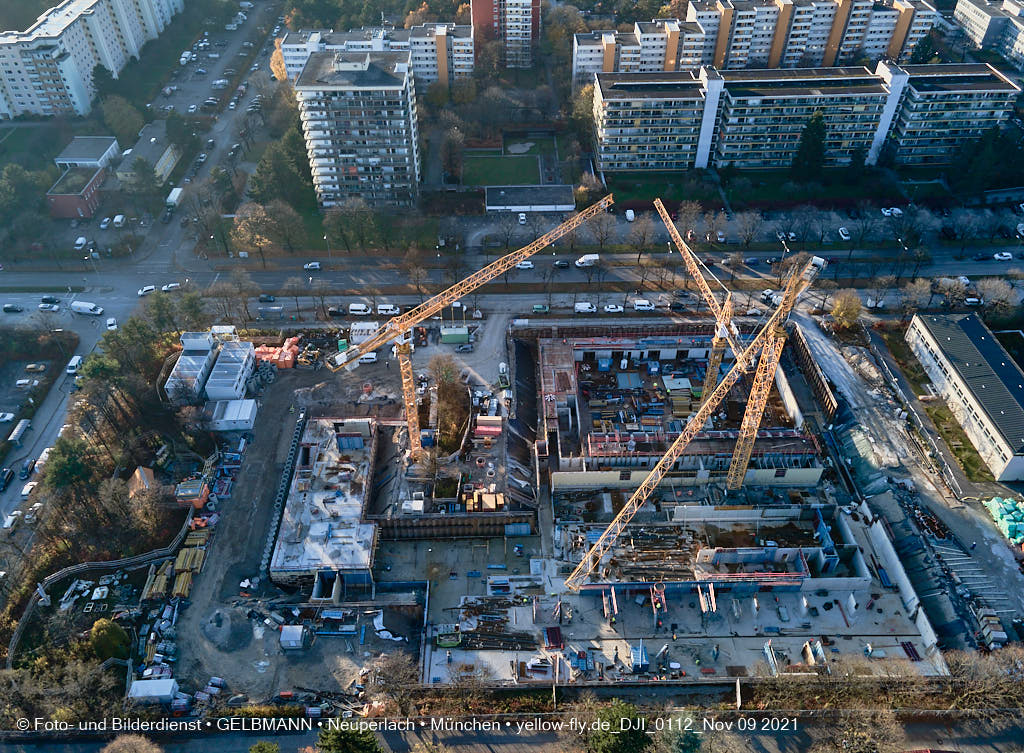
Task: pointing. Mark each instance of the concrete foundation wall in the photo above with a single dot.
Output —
(562, 480)
(788, 398)
(890, 560)
(451, 526)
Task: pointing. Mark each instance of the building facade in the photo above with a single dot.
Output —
(697, 118)
(76, 194)
(516, 23)
(358, 114)
(980, 383)
(737, 34)
(995, 26)
(439, 52)
(47, 69)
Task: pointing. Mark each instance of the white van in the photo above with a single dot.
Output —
(630, 215)
(74, 365)
(80, 243)
(974, 301)
(388, 309)
(359, 309)
(368, 358)
(641, 304)
(585, 307)
(119, 221)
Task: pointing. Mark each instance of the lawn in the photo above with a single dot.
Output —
(777, 188)
(906, 359)
(500, 171)
(33, 148)
(970, 461)
(538, 145)
(644, 188)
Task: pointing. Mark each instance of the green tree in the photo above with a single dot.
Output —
(286, 225)
(162, 313)
(607, 735)
(181, 133)
(123, 120)
(581, 117)
(103, 81)
(924, 50)
(857, 167)
(144, 180)
(69, 465)
(673, 738)
(347, 741)
(190, 310)
(438, 94)
(264, 747)
(810, 154)
(108, 640)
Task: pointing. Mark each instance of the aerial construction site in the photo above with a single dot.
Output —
(644, 499)
(656, 498)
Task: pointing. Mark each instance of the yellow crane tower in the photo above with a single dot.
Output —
(725, 330)
(399, 328)
(766, 339)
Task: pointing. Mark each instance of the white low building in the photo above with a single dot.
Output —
(235, 363)
(232, 415)
(980, 382)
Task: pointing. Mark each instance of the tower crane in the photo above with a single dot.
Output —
(725, 330)
(399, 327)
(766, 339)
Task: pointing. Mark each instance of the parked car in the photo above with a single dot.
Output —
(49, 307)
(1003, 256)
(981, 257)
(171, 286)
(6, 418)
(886, 212)
(334, 311)
(465, 348)
(36, 368)
(266, 298)
(312, 266)
(844, 233)
(6, 476)
(524, 265)
(27, 468)
(104, 223)
(111, 324)
(560, 264)
(12, 308)
(146, 290)
(522, 218)
(612, 308)
(720, 236)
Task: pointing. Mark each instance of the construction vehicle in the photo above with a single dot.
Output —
(725, 330)
(400, 327)
(769, 343)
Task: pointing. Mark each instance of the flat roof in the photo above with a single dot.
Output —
(983, 364)
(358, 70)
(230, 361)
(681, 84)
(321, 525)
(516, 196)
(958, 77)
(86, 149)
(73, 181)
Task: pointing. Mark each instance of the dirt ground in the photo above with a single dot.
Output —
(215, 636)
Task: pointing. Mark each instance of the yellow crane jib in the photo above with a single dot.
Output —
(766, 337)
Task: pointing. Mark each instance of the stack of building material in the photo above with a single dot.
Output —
(288, 354)
(198, 538)
(267, 353)
(182, 585)
(485, 502)
(193, 492)
(157, 587)
(488, 426)
(1009, 517)
(680, 394)
(189, 558)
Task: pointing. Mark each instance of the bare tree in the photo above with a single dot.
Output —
(858, 731)
(715, 223)
(641, 232)
(846, 308)
(880, 287)
(919, 293)
(245, 288)
(748, 224)
(507, 224)
(295, 287)
(997, 295)
(964, 225)
(253, 228)
(688, 214)
(954, 290)
(602, 227)
(321, 289)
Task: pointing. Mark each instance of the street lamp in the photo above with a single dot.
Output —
(328, 241)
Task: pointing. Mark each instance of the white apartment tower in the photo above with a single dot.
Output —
(47, 69)
(358, 114)
(439, 52)
(995, 25)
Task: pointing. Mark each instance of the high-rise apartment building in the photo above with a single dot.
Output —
(47, 69)
(698, 118)
(358, 114)
(516, 23)
(995, 26)
(440, 52)
(736, 34)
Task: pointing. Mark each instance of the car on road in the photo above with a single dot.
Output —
(465, 348)
(35, 368)
(677, 306)
(192, 109)
(6, 476)
(49, 299)
(311, 266)
(612, 308)
(981, 257)
(886, 212)
(538, 308)
(560, 264)
(28, 488)
(6, 418)
(780, 235)
(146, 290)
(266, 298)
(171, 286)
(233, 104)
(27, 468)
(897, 212)
(1020, 230)
(202, 158)
(751, 261)
(584, 307)
(334, 311)
(111, 324)
(12, 308)
(49, 307)
(720, 236)
(1003, 256)
(81, 242)
(844, 233)
(524, 265)
(210, 143)
(522, 218)
(105, 223)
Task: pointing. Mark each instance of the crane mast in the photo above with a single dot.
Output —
(765, 338)
(399, 327)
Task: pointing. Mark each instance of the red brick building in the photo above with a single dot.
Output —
(76, 194)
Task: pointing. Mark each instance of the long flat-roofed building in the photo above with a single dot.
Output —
(358, 115)
(696, 118)
(980, 382)
(439, 51)
(997, 25)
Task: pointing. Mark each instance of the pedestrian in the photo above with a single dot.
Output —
(973, 545)
(387, 364)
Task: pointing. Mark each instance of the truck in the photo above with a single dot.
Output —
(85, 307)
(185, 57)
(221, 83)
(174, 198)
(587, 260)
